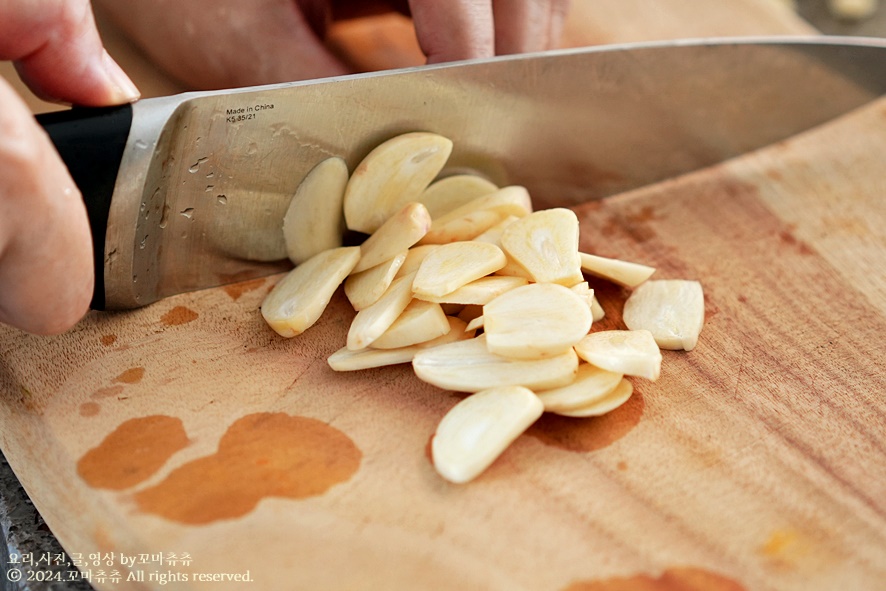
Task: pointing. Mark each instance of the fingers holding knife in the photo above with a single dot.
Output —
(46, 267)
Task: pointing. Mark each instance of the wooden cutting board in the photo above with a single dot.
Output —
(756, 461)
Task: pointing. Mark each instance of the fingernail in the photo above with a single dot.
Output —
(124, 90)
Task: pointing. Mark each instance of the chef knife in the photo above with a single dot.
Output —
(189, 191)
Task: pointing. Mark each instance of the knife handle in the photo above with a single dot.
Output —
(91, 141)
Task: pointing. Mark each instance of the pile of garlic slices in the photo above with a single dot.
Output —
(447, 258)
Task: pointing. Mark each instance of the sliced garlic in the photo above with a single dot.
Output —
(479, 428)
(480, 291)
(396, 235)
(371, 322)
(620, 272)
(414, 257)
(493, 234)
(444, 195)
(545, 243)
(535, 321)
(477, 216)
(597, 310)
(514, 269)
(449, 266)
(630, 352)
(419, 322)
(590, 385)
(314, 221)
(583, 289)
(391, 175)
(298, 300)
(476, 323)
(671, 309)
(346, 360)
(364, 288)
(469, 366)
(612, 400)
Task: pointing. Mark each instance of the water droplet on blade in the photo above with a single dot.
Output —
(188, 213)
(196, 166)
(164, 219)
(222, 199)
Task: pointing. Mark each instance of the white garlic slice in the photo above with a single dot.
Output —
(314, 221)
(365, 288)
(371, 322)
(620, 272)
(590, 385)
(630, 352)
(468, 366)
(479, 428)
(535, 321)
(450, 266)
(612, 400)
(391, 175)
(545, 243)
(419, 322)
(671, 309)
(298, 300)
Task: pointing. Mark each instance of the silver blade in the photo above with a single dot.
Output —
(207, 177)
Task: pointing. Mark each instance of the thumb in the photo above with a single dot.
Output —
(59, 54)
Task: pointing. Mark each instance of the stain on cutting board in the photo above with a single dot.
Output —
(89, 409)
(589, 434)
(133, 375)
(672, 579)
(178, 315)
(235, 290)
(260, 455)
(108, 392)
(133, 452)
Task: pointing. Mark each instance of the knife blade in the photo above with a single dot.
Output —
(189, 191)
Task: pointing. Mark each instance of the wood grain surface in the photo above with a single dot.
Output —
(756, 462)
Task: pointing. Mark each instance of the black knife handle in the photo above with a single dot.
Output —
(91, 141)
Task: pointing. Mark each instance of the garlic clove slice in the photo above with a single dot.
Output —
(297, 301)
(314, 221)
(451, 192)
(450, 266)
(536, 321)
(620, 272)
(671, 309)
(479, 428)
(607, 403)
(394, 173)
(590, 385)
(630, 352)
(397, 234)
(545, 243)
(365, 288)
(371, 322)
(419, 322)
(469, 366)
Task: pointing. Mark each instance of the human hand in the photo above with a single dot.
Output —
(228, 43)
(46, 268)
